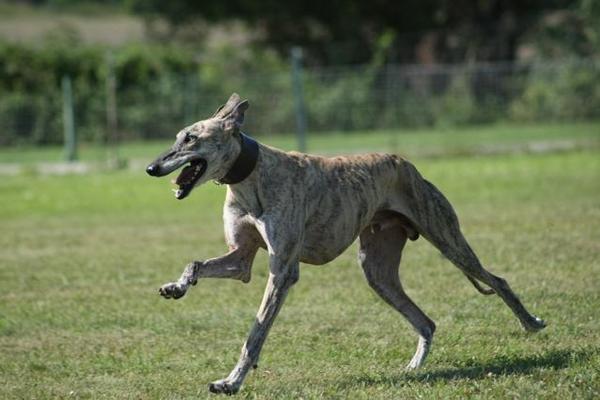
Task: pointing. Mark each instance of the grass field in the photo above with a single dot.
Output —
(81, 258)
(502, 138)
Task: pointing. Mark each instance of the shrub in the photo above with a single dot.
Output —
(560, 92)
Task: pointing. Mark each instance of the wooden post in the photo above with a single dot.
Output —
(112, 135)
(69, 120)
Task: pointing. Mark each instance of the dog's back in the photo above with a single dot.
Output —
(340, 197)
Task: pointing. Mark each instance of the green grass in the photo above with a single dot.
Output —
(81, 258)
(411, 143)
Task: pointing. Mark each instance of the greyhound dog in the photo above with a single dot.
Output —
(304, 208)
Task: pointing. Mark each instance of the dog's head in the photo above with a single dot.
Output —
(208, 147)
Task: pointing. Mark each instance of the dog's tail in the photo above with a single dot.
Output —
(480, 289)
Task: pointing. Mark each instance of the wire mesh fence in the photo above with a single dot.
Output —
(335, 99)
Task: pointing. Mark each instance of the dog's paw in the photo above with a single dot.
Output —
(224, 386)
(535, 324)
(416, 362)
(172, 290)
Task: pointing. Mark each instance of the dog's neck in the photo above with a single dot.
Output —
(245, 162)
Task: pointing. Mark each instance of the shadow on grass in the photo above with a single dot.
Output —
(499, 366)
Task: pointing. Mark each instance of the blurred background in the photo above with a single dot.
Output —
(90, 75)
(497, 102)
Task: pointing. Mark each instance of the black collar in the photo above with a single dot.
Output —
(244, 164)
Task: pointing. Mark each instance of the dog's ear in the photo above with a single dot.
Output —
(228, 107)
(234, 119)
(218, 112)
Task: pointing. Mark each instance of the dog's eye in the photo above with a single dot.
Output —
(188, 138)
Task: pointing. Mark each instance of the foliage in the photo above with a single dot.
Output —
(346, 32)
(457, 106)
(161, 88)
(571, 94)
(30, 82)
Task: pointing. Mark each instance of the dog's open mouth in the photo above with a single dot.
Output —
(188, 177)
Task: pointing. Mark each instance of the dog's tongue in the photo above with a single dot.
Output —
(186, 175)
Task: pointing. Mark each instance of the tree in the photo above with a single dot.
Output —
(345, 31)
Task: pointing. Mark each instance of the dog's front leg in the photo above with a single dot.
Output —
(234, 265)
(283, 274)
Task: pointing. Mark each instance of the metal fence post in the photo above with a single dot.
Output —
(111, 109)
(69, 120)
(299, 108)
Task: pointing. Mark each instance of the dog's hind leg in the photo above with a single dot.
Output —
(379, 255)
(438, 224)
(461, 255)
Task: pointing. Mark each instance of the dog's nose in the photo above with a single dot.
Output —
(152, 170)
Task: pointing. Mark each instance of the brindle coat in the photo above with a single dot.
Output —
(304, 208)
